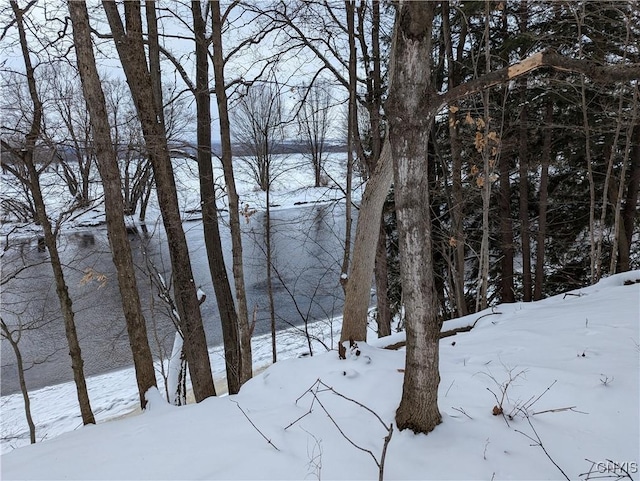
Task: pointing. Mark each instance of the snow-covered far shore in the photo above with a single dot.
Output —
(293, 190)
(541, 390)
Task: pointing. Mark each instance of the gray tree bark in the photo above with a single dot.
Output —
(244, 332)
(130, 48)
(13, 341)
(352, 134)
(26, 154)
(543, 202)
(212, 240)
(383, 314)
(523, 191)
(358, 290)
(410, 116)
(114, 205)
(507, 293)
(629, 212)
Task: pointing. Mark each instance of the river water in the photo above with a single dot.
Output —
(307, 245)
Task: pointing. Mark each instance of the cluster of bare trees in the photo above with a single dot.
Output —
(471, 111)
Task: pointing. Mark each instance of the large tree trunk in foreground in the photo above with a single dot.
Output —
(357, 294)
(410, 116)
(132, 56)
(114, 204)
(411, 108)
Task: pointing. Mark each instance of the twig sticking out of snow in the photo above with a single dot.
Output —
(254, 426)
(538, 442)
(558, 410)
(315, 455)
(498, 409)
(460, 410)
(320, 387)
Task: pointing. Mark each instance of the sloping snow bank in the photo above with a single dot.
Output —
(563, 370)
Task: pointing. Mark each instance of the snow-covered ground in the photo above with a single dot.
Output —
(564, 372)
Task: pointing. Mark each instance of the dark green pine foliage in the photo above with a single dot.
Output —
(518, 29)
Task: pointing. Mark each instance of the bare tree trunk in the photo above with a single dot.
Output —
(26, 154)
(147, 186)
(8, 335)
(373, 102)
(506, 234)
(618, 228)
(525, 235)
(213, 242)
(587, 142)
(376, 89)
(154, 56)
(381, 271)
(457, 206)
(244, 333)
(132, 56)
(358, 290)
(269, 260)
(592, 193)
(409, 126)
(523, 171)
(382, 285)
(483, 267)
(629, 212)
(114, 204)
(457, 213)
(351, 135)
(507, 290)
(66, 305)
(605, 191)
(543, 201)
